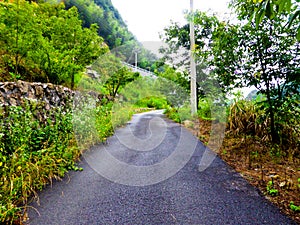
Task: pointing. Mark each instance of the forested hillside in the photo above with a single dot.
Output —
(113, 29)
(101, 12)
(55, 42)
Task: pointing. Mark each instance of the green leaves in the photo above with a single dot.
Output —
(260, 10)
(271, 190)
(294, 17)
(294, 207)
(46, 42)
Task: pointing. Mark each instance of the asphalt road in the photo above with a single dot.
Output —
(125, 182)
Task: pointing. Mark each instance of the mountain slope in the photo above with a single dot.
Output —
(111, 25)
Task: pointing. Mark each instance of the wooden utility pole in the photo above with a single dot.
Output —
(193, 64)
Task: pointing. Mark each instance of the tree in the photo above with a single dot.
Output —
(177, 52)
(68, 47)
(265, 57)
(257, 10)
(18, 35)
(246, 55)
(43, 42)
(119, 79)
(113, 74)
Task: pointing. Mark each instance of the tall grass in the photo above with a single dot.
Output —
(37, 146)
(246, 117)
(249, 119)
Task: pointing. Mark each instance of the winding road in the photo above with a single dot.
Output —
(148, 173)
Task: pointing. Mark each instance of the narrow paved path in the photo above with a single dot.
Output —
(215, 196)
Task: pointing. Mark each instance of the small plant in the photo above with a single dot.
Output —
(152, 102)
(173, 114)
(294, 207)
(204, 109)
(271, 190)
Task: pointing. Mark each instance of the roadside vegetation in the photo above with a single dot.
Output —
(48, 42)
(261, 52)
(261, 140)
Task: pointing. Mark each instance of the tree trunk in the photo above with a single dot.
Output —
(274, 134)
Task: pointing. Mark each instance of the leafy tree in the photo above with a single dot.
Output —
(178, 77)
(68, 52)
(113, 74)
(46, 39)
(119, 80)
(246, 55)
(265, 57)
(18, 35)
(177, 52)
(257, 10)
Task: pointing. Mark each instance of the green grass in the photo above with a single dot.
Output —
(38, 146)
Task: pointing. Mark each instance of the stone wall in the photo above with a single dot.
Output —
(46, 95)
(16, 93)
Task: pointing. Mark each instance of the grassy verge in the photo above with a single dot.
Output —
(37, 146)
(246, 147)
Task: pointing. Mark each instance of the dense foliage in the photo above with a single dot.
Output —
(265, 57)
(55, 45)
(257, 11)
(46, 43)
(101, 12)
(113, 30)
(260, 52)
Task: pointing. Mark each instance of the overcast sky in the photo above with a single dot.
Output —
(146, 18)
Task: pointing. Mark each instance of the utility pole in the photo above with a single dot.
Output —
(136, 51)
(193, 64)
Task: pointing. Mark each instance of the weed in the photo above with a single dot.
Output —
(271, 190)
(294, 207)
(35, 149)
(152, 102)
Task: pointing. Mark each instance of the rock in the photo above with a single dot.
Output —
(188, 123)
(45, 95)
(39, 91)
(31, 93)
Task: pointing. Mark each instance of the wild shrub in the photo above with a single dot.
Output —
(37, 146)
(249, 119)
(245, 117)
(152, 102)
(179, 114)
(33, 151)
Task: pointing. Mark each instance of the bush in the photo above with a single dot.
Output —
(204, 109)
(152, 102)
(37, 146)
(179, 115)
(33, 151)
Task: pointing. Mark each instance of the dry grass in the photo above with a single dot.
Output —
(247, 149)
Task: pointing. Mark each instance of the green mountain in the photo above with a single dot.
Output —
(113, 29)
(111, 25)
